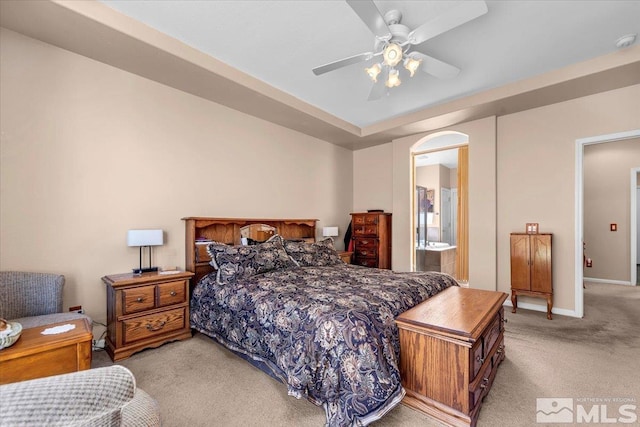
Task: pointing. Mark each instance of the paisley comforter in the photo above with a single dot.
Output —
(327, 332)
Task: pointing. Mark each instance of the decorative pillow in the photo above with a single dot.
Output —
(317, 254)
(235, 262)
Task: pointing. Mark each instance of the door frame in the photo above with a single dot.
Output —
(579, 208)
(436, 145)
(633, 229)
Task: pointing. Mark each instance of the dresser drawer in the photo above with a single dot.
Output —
(491, 335)
(366, 243)
(498, 356)
(365, 230)
(153, 325)
(480, 386)
(366, 252)
(365, 219)
(366, 262)
(476, 360)
(171, 293)
(138, 299)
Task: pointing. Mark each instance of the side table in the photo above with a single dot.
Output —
(146, 311)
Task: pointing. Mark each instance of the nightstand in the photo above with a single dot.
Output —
(346, 256)
(145, 311)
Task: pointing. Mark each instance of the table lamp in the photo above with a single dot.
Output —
(144, 238)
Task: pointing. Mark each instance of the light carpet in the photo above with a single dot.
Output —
(199, 383)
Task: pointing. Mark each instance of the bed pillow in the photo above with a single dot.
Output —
(318, 254)
(235, 262)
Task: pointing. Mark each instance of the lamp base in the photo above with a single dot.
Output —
(144, 270)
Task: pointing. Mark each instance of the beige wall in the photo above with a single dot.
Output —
(536, 176)
(89, 151)
(607, 200)
(482, 199)
(373, 179)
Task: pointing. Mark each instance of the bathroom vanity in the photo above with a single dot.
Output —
(436, 257)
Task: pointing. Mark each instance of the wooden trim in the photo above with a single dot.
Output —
(462, 254)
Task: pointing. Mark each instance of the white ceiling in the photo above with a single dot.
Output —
(279, 42)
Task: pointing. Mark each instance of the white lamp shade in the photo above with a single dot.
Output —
(144, 238)
(329, 231)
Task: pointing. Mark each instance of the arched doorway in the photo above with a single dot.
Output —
(439, 202)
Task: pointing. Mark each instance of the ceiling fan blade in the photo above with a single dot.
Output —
(450, 19)
(435, 67)
(342, 63)
(370, 15)
(379, 88)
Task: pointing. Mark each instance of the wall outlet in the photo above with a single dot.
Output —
(98, 344)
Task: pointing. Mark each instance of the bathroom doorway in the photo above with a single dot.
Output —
(440, 238)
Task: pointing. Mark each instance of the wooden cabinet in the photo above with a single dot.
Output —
(145, 310)
(35, 355)
(450, 349)
(371, 237)
(531, 268)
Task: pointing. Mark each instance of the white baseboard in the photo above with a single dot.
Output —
(542, 308)
(99, 344)
(607, 281)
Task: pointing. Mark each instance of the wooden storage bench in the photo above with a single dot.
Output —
(450, 349)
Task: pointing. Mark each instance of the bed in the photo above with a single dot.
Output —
(324, 328)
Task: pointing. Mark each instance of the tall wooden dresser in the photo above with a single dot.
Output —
(372, 239)
(531, 268)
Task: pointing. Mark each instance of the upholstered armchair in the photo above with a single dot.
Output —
(33, 299)
(95, 397)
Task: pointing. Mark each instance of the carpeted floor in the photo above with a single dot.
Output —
(199, 383)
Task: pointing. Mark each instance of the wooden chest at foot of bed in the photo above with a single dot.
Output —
(450, 349)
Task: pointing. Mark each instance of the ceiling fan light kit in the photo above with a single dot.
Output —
(394, 42)
(394, 78)
(373, 72)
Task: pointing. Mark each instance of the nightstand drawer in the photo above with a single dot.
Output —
(153, 324)
(138, 299)
(172, 293)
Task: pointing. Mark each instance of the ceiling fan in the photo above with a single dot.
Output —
(394, 44)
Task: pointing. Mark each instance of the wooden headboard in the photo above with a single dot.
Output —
(227, 230)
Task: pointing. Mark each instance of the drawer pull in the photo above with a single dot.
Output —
(173, 293)
(139, 299)
(485, 382)
(156, 328)
(483, 386)
(500, 349)
(479, 359)
(504, 320)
